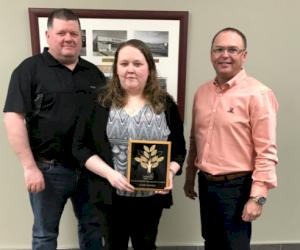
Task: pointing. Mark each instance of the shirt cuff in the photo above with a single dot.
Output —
(259, 189)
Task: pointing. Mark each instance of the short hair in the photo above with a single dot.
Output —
(154, 94)
(241, 34)
(63, 14)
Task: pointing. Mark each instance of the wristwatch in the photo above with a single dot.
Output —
(259, 199)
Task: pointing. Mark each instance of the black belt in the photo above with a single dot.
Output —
(225, 177)
(48, 161)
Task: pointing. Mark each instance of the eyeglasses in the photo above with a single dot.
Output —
(234, 51)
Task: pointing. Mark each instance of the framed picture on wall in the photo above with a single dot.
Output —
(165, 33)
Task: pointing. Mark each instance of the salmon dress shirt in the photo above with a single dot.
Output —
(234, 130)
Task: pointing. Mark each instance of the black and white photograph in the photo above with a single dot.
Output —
(83, 49)
(163, 82)
(105, 42)
(157, 41)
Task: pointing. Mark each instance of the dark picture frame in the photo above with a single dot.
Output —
(177, 89)
(149, 164)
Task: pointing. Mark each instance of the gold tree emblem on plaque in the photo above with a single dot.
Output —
(149, 158)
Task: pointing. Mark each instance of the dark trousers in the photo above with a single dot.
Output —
(47, 206)
(221, 207)
(136, 218)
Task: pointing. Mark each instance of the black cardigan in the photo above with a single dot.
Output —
(91, 138)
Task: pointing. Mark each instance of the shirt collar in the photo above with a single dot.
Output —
(51, 61)
(233, 81)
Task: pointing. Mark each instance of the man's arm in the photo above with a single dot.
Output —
(18, 139)
(191, 171)
(263, 122)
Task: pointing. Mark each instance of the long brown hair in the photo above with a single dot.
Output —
(116, 96)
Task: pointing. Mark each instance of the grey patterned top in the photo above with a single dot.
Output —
(144, 125)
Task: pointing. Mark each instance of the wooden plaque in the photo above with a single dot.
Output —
(148, 164)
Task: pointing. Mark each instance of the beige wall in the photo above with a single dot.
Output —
(272, 28)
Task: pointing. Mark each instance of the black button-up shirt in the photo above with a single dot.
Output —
(50, 96)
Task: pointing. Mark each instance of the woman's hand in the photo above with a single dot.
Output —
(119, 181)
(172, 173)
(116, 179)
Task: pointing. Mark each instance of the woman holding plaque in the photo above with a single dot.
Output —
(132, 106)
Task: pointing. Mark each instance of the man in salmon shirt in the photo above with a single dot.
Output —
(232, 146)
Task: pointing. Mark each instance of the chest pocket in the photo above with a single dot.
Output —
(55, 101)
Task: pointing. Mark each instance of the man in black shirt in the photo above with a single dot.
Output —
(45, 94)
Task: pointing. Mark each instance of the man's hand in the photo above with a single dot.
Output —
(251, 211)
(189, 189)
(34, 180)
